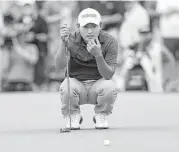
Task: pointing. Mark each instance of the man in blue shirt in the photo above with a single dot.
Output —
(93, 59)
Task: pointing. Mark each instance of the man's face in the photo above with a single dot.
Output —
(90, 31)
(29, 10)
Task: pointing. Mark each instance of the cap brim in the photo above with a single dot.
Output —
(90, 21)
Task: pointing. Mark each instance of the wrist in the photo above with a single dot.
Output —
(98, 55)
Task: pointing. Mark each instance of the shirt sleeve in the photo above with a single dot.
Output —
(112, 53)
(44, 26)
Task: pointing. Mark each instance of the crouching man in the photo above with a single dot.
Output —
(93, 59)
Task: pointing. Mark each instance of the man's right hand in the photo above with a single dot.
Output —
(64, 33)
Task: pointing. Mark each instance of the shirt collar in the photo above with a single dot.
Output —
(79, 38)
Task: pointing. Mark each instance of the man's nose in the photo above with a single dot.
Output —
(90, 30)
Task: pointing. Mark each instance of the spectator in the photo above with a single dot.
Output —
(136, 18)
(18, 74)
(39, 31)
(149, 56)
(169, 23)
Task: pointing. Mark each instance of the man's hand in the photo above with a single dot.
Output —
(94, 48)
(129, 63)
(42, 37)
(64, 33)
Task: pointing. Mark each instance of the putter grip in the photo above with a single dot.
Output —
(65, 39)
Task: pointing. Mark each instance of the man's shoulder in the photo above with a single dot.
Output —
(107, 37)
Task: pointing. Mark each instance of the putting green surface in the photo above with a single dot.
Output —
(140, 122)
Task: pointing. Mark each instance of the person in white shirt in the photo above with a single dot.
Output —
(20, 58)
(151, 52)
(169, 23)
(136, 18)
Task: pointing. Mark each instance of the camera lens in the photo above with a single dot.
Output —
(8, 41)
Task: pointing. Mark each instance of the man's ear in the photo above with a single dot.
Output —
(100, 24)
(78, 27)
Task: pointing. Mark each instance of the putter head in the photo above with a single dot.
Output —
(64, 130)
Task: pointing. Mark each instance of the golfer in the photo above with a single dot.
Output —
(92, 63)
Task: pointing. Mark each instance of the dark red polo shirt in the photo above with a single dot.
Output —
(82, 64)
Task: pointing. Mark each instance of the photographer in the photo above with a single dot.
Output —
(21, 56)
(144, 61)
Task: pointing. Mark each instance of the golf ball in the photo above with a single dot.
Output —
(106, 142)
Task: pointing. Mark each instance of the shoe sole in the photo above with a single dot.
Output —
(101, 128)
(75, 128)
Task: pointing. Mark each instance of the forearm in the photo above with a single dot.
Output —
(28, 56)
(147, 66)
(61, 58)
(104, 69)
(124, 70)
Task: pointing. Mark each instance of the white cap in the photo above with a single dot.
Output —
(89, 15)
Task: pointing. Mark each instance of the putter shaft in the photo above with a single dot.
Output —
(68, 84)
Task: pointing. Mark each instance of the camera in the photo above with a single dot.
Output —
(8, 19)
(8, 42)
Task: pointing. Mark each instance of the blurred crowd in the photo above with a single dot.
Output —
(147, 32)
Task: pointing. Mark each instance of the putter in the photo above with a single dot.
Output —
(63, 130)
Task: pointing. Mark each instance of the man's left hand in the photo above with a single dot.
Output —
(94, 48)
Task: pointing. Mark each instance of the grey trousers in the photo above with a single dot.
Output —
(101, 93)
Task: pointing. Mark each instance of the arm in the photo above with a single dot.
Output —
(61, 58)
(104, 69)
(171, 60)
(169, 55)
(30, 54)
(156, 57)
(128, 62)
